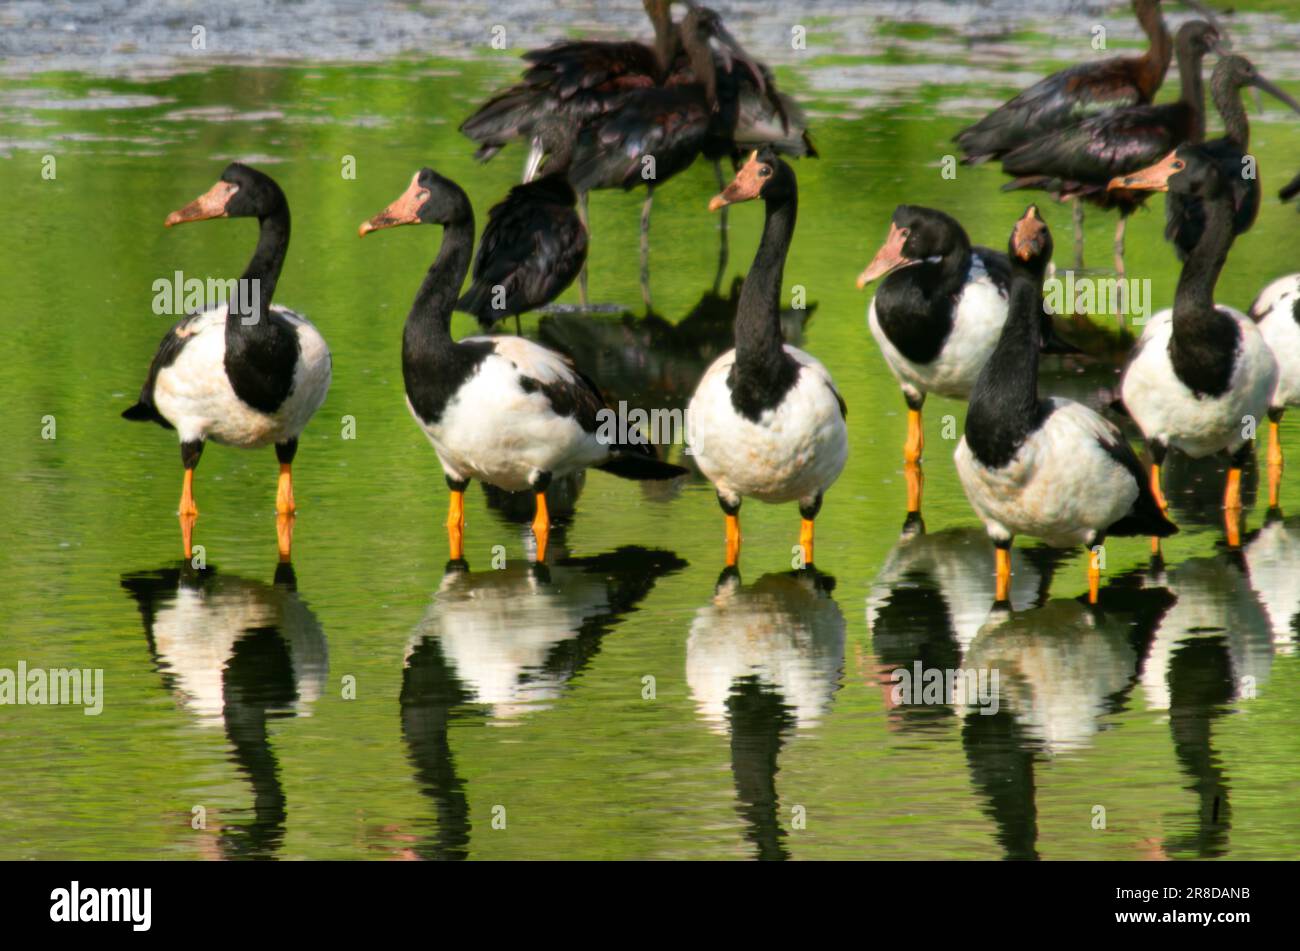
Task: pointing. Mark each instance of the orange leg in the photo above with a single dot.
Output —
(1232, 507)
(1003, 574)
(1160, 501)
(1274, 464)
(733, 540)
(1094, 576)
(806, 540)
(284, 491)
(187, 495)
(541, 526)
(915, 444)
(187, 534)
(915, 483)
(1156, 490)
(456, 524)
(284, 534)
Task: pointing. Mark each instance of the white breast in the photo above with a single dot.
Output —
(792, 452)
(1167, 411)
(978, 316)
(1062, 486)
(494, 431)
(1275, 308)
(195, 395)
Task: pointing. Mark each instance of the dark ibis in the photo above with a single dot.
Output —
(534, 244)
(1080, 161)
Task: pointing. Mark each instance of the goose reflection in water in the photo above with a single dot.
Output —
(509, 640)
(1272, 557)
(236, 653)
(1211, 651)
(1063, 668)
(514, 636)
(930, 599)
(761, 662)
(1062, 665)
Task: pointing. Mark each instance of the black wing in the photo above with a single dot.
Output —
(169, 348)
(533, 247)
(1060, 100)
(1084, 158)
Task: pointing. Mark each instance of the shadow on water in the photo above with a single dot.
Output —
(239, 653)
(761, 661)
(497, 644)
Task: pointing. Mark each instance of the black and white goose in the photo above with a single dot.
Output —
(1201, 376)
(1050, 468)
(938, 312)
(247, 373)
(766, 420)
(1276, 312)
(502, 410)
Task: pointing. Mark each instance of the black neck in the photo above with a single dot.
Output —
(758, 315)
(1193, 95)
(1004, 406)
(257, 283)
(1195, 293)
(429, 320)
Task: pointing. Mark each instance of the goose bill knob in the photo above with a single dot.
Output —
(1153, 178)
(889, 258)
(404, 211)
(211, 204)
(745, 186)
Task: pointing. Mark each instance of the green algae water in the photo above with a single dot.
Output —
(628, 700)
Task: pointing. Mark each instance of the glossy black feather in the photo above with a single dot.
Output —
(533, 247)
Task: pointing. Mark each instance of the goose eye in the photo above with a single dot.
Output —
(764, 171)
(905, 232)
(1179, 166)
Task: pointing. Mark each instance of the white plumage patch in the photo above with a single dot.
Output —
(1062, 486)
(793, 452)
(1274, 312)
(1167, 411)
(978, 316)
(195, 395)
(495, 431)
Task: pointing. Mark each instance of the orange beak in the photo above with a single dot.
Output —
(744, 187)
(211, 204)
(1029, 236)
(1153, 178)
(888, 259)
(404, 211)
